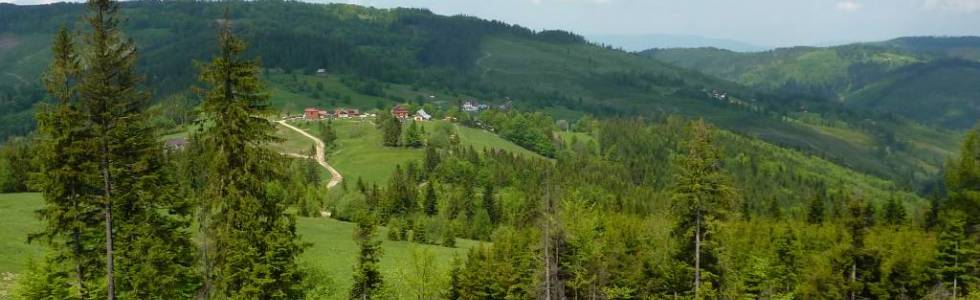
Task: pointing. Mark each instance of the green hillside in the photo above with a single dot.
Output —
(965, 47)
(333, 250)
(942, 92)
(927, 79)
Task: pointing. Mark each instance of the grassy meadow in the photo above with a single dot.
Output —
(358, 152)
(332, 248)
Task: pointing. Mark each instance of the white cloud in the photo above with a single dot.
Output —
(848, 6)
(967, 6)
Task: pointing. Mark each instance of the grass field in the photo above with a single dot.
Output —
(332, 247)
(359, 153)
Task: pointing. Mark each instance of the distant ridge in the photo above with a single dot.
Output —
(634, 43)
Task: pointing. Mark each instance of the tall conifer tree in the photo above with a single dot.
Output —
(367, 278)
(705, 196)
(251, 241)
(71, 210)
(148, 252)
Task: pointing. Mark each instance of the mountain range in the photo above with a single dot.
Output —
(825, 101)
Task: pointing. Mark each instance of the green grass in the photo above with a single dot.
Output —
(359, 153)
(332, 247)
(334, 251)
(17, 211)
(292, 141)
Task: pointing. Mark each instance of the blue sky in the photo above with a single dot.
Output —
(761, 22)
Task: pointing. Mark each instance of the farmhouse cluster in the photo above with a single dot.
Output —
(312, 113)
(399, 111)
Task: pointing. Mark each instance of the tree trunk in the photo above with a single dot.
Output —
(77, 244)
(954, 288)
(956, 264)
(107, 189)
(206, 257)
(853, 279)
(697, 256)
(78, 263)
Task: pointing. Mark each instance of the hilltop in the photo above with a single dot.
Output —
(378, 57)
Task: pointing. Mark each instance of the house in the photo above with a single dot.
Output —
(471, 106)
(421, 115)
(311, 113)
(506, 106)
(176, 144)
(346, 113)
(321, 72)
(340, 113)
(399, 111)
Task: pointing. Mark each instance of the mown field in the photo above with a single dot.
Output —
(332, 247)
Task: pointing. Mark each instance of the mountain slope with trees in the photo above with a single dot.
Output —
(552, 71)
(927, 79)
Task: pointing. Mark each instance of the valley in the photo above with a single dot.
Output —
(295, 150)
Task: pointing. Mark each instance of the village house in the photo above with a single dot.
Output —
(312, 114)
(399, 111)
(421, 115)
(471, 106)
(344, 113)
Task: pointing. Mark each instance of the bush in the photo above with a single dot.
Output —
(396, 227)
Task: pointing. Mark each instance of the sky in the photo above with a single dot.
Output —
(768, 23)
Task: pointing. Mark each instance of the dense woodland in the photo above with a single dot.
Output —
(614, 207)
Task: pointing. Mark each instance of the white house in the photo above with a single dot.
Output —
(471, 106)
(421, 115)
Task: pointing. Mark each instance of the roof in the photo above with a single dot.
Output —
(423, 114)
(176, 142)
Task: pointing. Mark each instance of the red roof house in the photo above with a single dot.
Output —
(311, 114)
(399, 111)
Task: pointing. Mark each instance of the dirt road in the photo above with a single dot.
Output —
(335, 177)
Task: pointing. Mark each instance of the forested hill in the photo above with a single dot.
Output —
(551, 71)
(927, 79)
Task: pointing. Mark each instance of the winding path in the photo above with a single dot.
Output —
(335, 177)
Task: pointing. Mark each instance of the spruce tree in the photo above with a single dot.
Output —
(251, 241)
(815, 211)
(431, 160)
(413, 137)
(367, 278)
(490, 204)
(956, 263)
(144, 221)
(65, 177)
(329, 135)
(894, 212)
(959, 252)
(704, 196)
(431, 201)
(392, 129)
